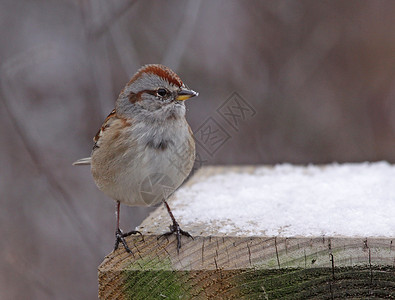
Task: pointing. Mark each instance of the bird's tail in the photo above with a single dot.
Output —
(83, 161)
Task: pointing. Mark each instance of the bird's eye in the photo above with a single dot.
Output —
(162, 92)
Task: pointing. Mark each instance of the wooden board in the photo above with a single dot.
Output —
(215, 266)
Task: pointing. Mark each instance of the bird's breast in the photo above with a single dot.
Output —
(152, 164)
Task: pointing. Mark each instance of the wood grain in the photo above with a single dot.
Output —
(214, 266)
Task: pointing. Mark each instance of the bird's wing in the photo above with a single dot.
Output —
(107, 122)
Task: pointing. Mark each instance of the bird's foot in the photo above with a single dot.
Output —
(120, 238)
(176, 229)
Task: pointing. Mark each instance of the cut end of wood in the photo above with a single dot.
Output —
(235, 267)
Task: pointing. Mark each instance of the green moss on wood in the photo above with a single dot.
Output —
(154, 285)
(360, 282)
(318, 283)
(153, 279)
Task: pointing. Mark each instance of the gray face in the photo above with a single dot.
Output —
(156, 92)
(151, 96)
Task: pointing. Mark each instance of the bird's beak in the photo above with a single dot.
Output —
(185, 94)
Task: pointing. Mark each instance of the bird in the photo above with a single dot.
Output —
(145, 148)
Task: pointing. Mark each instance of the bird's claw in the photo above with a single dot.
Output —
(120, 238)
(176, 229)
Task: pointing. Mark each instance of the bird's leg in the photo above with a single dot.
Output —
(119, 235)
(175, 228)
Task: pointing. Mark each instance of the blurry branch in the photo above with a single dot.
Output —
(10, 70)
(125, 49)
(177, 47)
(99, 68)
(97, 28)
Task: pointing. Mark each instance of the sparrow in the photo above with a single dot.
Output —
(145, 148)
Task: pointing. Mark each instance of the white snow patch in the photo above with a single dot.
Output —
(338, 199)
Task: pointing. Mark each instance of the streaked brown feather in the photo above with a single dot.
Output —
(106, 124)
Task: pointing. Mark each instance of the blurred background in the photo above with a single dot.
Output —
(279, 81)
